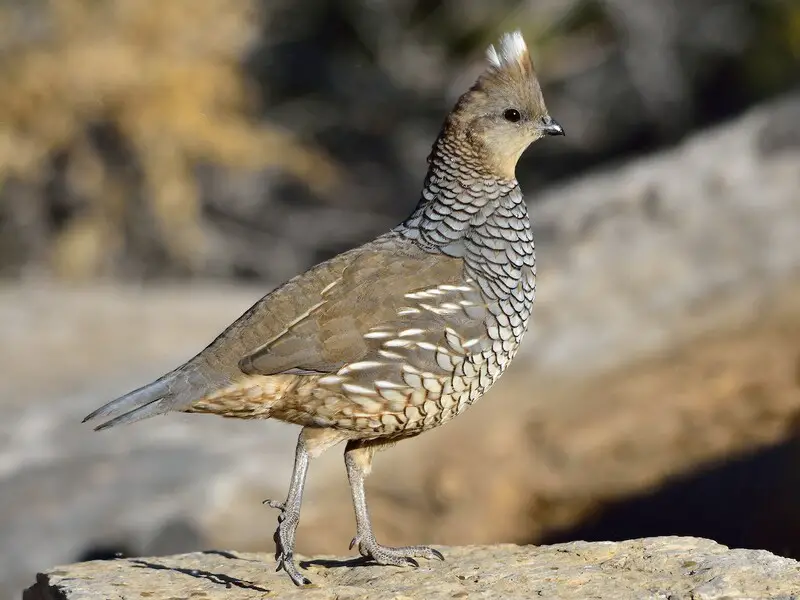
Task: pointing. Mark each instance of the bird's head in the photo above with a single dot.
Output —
(504, 112)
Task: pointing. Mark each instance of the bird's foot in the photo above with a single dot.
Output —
(386, 555)
(284, 541)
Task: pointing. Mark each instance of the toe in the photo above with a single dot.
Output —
(403, 556)
(393, 559)
(429, 553)
(286, 563)
(402, 560)
(297, 578)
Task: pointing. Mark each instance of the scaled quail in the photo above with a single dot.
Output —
(399, 335)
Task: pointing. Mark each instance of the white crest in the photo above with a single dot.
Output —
(512, 49)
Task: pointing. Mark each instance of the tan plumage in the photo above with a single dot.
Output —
(399, 335)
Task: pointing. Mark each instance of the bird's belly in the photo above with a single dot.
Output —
(431, 402)
(256, 397)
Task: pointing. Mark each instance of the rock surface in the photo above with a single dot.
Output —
(668, 568)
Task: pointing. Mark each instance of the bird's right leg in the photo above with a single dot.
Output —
(358, 460)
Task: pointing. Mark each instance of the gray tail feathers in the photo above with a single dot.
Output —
(156, 398)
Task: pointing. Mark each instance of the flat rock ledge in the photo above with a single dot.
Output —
(669, 568)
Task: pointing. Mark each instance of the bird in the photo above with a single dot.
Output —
(390, 339)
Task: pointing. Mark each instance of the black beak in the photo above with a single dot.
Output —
(551, 127)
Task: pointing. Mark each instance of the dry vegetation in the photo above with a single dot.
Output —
(127, 97)
(133, 144)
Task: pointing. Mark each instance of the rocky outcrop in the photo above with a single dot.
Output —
(667, 567)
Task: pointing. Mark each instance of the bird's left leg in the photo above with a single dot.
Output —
(311, 443)
(358, 460)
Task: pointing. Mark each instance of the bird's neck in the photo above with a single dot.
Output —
(459, 193)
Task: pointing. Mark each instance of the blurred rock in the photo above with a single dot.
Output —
(668, 567)
(667, 246)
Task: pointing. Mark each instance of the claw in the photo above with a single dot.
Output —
(274, 504)
(353, 543)
(438, 555)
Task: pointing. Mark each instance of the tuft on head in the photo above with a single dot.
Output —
(511, 52)
(504, 112)
(510, 69)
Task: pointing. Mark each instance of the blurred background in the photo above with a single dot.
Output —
(164, 164)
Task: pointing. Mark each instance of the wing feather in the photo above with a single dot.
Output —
(371, 289)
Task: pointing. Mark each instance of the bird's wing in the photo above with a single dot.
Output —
(382, 292)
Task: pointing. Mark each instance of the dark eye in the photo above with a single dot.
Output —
(512, 114)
